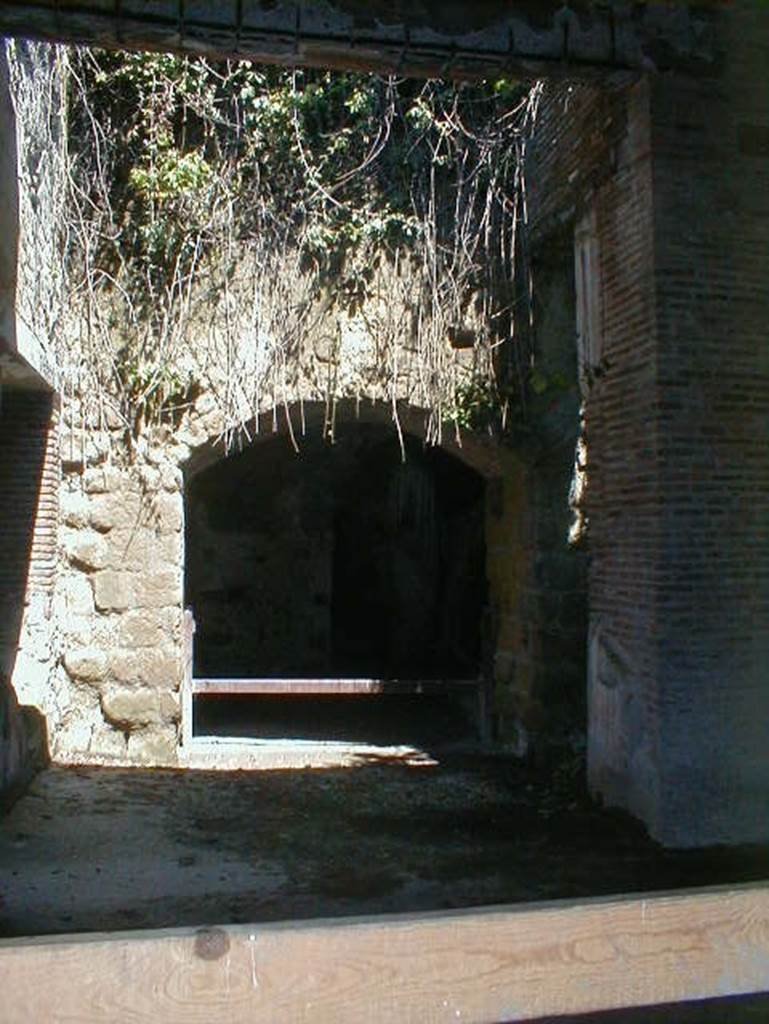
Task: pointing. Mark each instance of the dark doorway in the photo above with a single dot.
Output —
(342, 560)
(408, 565)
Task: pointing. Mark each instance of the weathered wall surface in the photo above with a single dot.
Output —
(592, 160)
(676, 436)
(28, 519)
(623, 480)
(675, 428)
(537, 567)
(710, 148)
(119, 596)
(9, 210)
(29, 460)
(31, 184)
(122, 573)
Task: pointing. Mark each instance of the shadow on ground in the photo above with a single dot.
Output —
(104, 849)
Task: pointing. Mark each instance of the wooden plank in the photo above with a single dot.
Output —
(335, 687)
(489, 965)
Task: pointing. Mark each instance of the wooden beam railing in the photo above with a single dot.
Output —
(194, 686)
(489, 965)
(330, 687)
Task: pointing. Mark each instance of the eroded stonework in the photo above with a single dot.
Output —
(119, 599)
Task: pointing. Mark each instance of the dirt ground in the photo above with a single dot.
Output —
(96, 849)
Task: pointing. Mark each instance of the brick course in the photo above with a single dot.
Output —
(29, 478)
(678, 494)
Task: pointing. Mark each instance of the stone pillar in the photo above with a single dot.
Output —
(679, 688)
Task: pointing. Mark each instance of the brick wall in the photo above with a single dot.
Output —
(710, 144)
(624, 489)
(29, 477)
(678, 493)
(579, 129)
(581, 136)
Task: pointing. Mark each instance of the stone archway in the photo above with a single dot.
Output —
(351, 559)
(668, 491)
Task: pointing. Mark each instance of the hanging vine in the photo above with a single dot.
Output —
(268, 236)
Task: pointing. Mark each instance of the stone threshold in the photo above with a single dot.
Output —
(237, 754)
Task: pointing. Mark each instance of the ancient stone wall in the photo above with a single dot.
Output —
(592, 170)
(537, 567)
(122, 571)
(623, 486)
(32, 185)
(29, 469)
(119, 594)
(114, 694)
(9, 208)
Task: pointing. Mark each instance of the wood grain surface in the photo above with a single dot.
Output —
(486, 965)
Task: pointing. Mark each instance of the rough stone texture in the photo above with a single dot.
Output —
(113, 591)
(75, 508)
(159, 589)
(85, 551)
(76, 595)
(88, 665)
(674, 171)
(9, 208)
(118, 598)
(157, 666)
(131, 708)
(118, 508)
(102, 480)
(138, 629)
(154, 746)
(26, 297)
(148, 550)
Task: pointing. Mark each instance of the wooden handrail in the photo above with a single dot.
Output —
(492, 964)
(280, 687)
(338, 687)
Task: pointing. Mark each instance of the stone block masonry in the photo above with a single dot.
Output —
(125, 649)
(119, 598)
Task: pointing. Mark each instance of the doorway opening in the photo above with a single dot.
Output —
(348, 570)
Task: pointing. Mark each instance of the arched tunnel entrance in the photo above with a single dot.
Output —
(351, 560)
